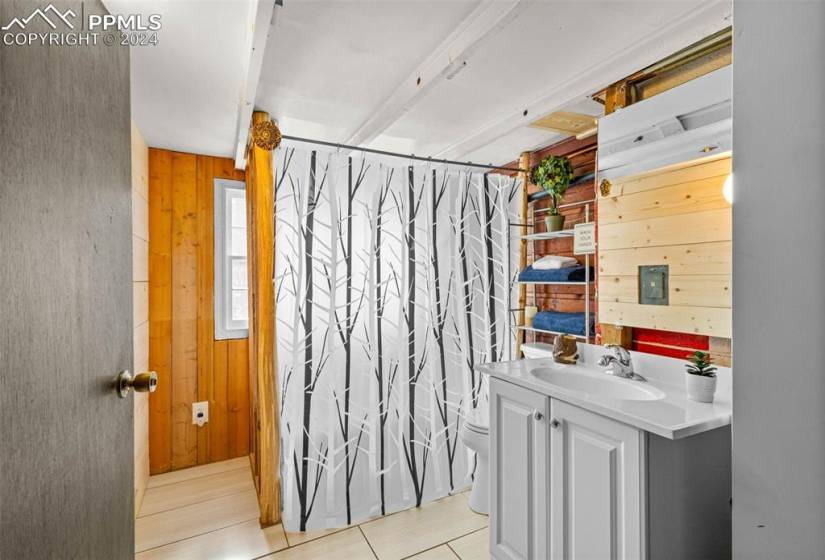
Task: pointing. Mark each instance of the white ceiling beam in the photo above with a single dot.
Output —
(443, 63)
(689, 27)
(262, 17)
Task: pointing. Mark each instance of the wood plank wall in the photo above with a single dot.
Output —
(191, 365)
(140, 306)
(677, 217)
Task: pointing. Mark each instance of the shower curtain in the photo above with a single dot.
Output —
(392, 281)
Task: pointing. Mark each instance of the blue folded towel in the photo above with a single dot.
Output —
(572, 274)
(570, 323)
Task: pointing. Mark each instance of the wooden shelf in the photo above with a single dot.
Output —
(548, 235)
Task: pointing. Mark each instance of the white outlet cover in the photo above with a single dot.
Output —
(200, 413)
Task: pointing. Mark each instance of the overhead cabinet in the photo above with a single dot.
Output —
(571, 484)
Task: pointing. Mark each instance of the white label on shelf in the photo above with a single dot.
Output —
(584, 239)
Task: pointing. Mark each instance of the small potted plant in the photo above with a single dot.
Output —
(553, 174)
(700, 378)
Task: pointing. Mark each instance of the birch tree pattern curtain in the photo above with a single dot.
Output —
(392, 282)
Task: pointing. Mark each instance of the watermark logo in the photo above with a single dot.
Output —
(21, 23)
(68, 29)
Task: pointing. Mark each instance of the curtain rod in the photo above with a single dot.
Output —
(396, 154)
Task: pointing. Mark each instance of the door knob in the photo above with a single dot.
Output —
(145, 382)
(554, 423)
(537, 414)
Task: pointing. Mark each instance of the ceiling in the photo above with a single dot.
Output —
(186, 89)
(461, 79)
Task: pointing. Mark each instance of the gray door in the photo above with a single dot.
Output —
(65, 297)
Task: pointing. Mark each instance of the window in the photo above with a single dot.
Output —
(231, 292)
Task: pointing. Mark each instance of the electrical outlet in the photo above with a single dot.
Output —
(200, 413)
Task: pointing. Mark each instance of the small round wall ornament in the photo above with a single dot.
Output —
(604, 187)
(266, 135)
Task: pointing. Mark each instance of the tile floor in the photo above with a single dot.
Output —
(211, 513)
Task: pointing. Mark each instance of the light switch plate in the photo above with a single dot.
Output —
(200, 413)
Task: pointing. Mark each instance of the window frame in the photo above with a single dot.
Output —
(225, 327)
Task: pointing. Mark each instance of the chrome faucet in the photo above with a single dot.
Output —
(619, 363)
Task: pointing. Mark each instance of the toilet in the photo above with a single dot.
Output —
(475, 434)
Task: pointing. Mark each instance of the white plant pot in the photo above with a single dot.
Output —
(700, 388)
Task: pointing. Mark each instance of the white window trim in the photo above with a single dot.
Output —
(223, 275)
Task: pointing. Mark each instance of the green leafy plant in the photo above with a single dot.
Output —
(553, 174)
(700, 364)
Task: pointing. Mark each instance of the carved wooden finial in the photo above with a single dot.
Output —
(266, 135)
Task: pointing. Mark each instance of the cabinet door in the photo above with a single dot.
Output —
(519, 461)
(597, 488)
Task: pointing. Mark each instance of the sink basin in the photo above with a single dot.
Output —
(584, 381)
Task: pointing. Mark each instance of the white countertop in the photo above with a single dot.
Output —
(673, 416)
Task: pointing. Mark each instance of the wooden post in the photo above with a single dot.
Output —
(261, 232)
(524, 164)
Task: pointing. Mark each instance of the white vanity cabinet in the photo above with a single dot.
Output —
(571, 484)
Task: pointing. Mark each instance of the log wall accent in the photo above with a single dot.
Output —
(567, 299)
(260, 202)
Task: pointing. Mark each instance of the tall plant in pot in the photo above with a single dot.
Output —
(553, 174)
(700, 377)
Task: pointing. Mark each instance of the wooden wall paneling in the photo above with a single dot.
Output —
(702, 195)
(184, 310)
(238, 398)
(700, 290)
(205, 271)
(683, 229)
(160, 309)
(218, 401)
(676, 217)
(262, 322)
(198, 368)
(721, 350)
(220, 377)
(677, 174)
(707, 258)
(715, 321)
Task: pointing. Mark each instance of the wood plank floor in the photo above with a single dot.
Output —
(210, 513)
